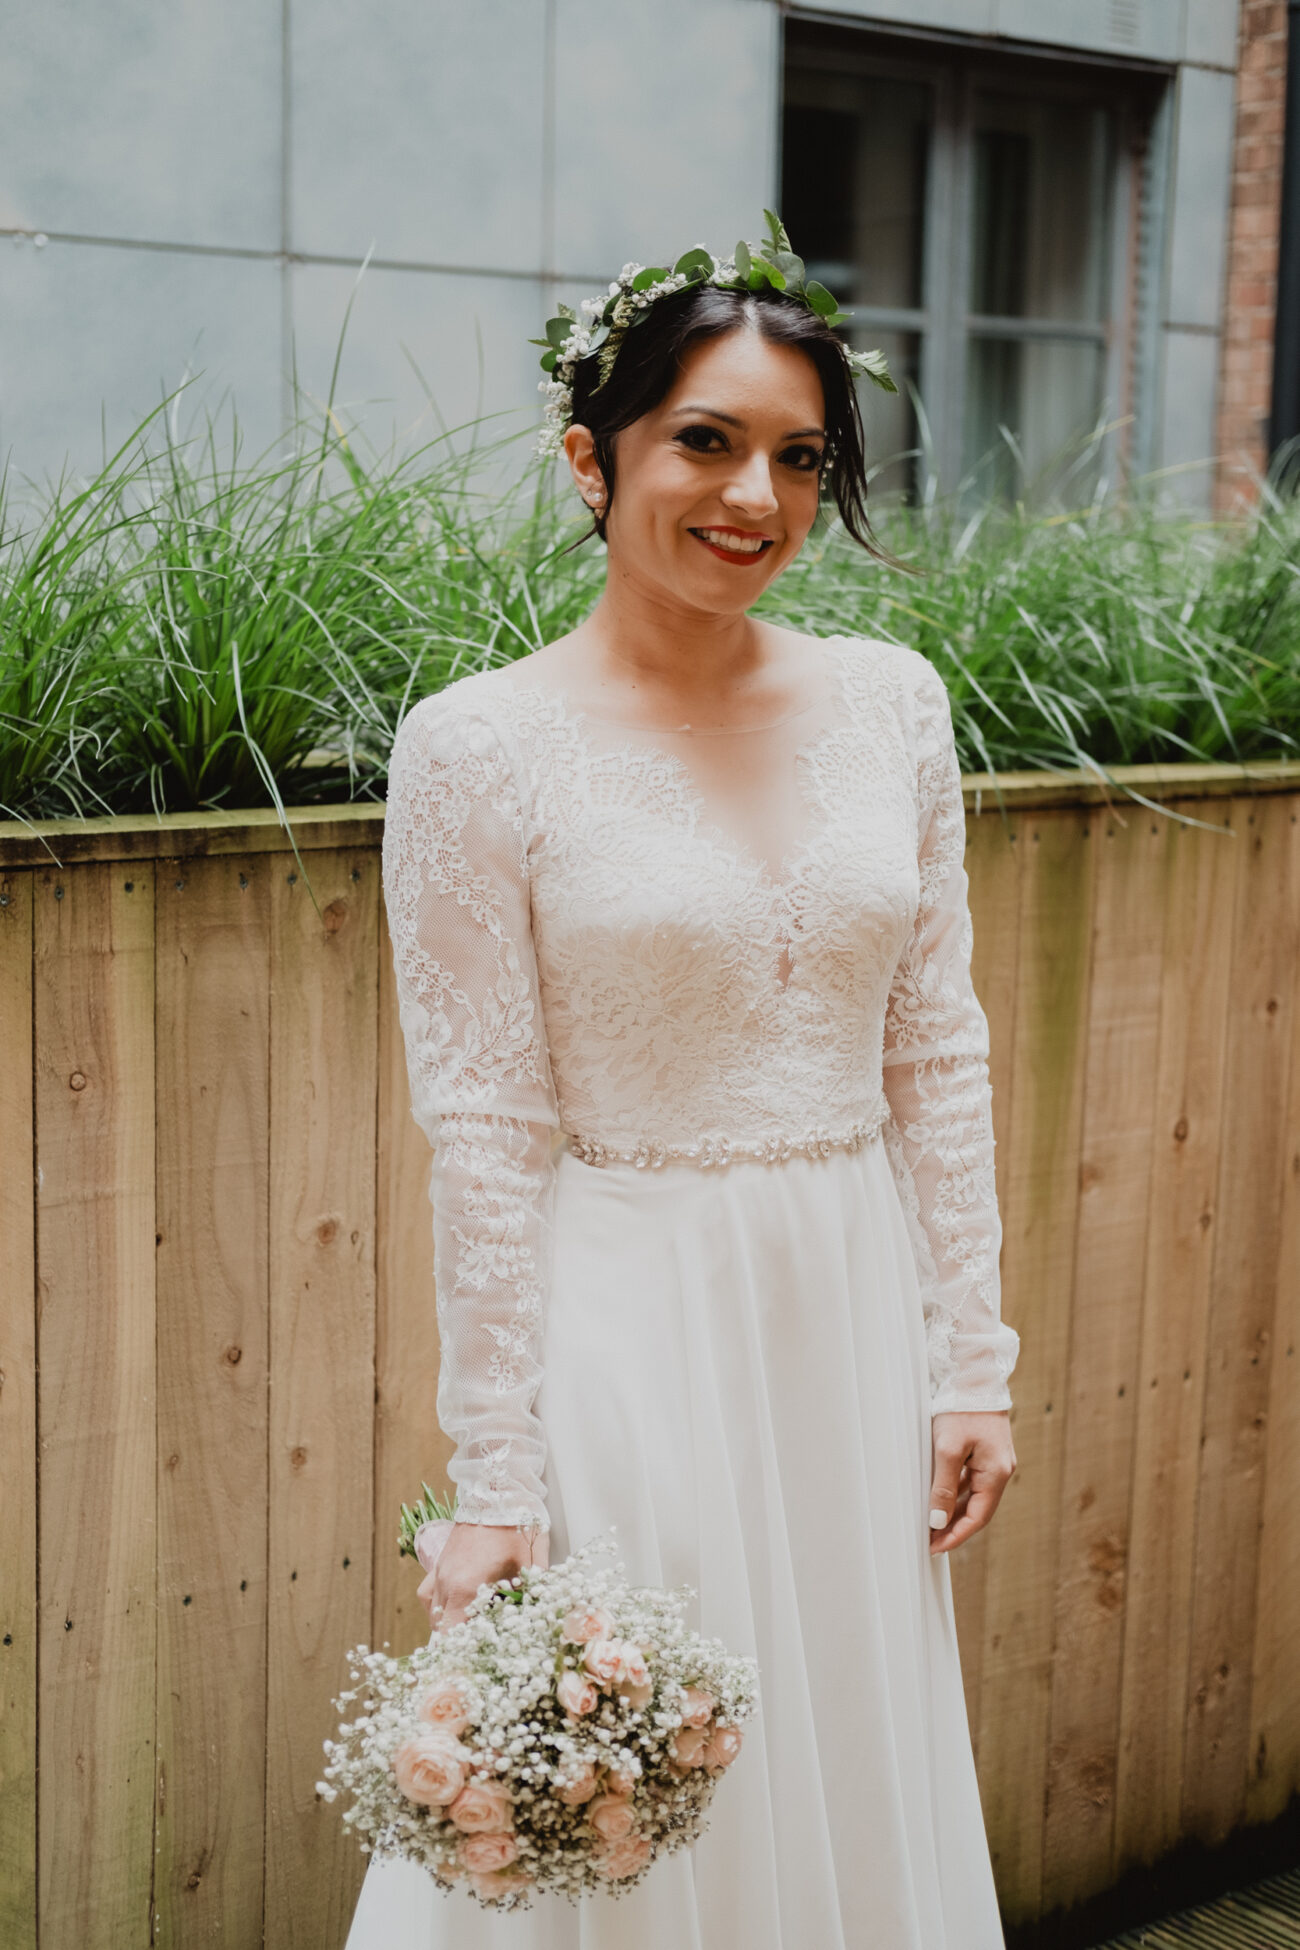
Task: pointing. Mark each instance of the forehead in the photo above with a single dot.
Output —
(744, 373)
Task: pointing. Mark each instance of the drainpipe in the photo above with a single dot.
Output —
(1284, 421)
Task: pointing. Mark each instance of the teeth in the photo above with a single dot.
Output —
(735, 544)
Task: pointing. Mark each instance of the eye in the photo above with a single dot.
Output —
(698, 438)
(806, 460)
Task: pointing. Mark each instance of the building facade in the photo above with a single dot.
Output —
(1056, 215)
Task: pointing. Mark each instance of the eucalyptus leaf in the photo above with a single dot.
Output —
(778, 236)
(550, 358)
(743, 261)
(652, 274)
(821, 300)
(691, 261)
(790, 267)
(558, 331)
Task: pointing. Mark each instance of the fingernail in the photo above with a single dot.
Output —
(938, 1519)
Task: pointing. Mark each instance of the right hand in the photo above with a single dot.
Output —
(475, 1554)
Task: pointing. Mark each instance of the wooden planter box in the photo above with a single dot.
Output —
(218, 1350)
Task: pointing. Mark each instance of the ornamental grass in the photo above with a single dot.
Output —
(193, 629)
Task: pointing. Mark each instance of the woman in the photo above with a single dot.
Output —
(683, 954)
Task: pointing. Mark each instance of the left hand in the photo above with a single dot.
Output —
(974, 1460)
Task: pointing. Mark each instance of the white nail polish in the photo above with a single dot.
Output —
(937, 1519)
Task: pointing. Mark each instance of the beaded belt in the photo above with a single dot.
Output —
(710, 1153)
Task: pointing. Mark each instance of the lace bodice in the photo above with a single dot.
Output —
(665, 944)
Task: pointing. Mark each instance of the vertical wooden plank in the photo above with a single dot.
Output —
(213, 957)
(410, 1448)
(1275, 1697)
(94, 1002)
(17, 1423)
(1198, 904)
(1242, 1305)
(1118, 1112)
(324, 1006)
(993, 852)
(1039, 1219)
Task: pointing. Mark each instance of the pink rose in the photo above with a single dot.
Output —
(581, 1789)
(623, 1858)
(637, 1697)
(576, 1693)
(687, 1746)
(611, 1816)
(447, 1706)
(482, 1808)
(482, 1854)
(722, 1746)
(501, 1883)
(431, 1768)
(619, 1780)
(697, 1709)
(635, 1684)
(586, 1622)
(604, 1660)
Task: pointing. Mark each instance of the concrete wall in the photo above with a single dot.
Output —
(192, 188)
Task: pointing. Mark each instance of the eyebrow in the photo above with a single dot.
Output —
(730, 420)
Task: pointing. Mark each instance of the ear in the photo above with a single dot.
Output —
(580, 451)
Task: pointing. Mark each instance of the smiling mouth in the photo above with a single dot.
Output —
(734, 544)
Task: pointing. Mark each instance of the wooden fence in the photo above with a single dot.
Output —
(218, 1348)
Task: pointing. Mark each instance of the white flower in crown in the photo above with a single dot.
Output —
(600, 325)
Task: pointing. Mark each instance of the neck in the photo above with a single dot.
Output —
(664, 647)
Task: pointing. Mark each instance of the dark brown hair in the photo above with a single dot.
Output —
(650, 359)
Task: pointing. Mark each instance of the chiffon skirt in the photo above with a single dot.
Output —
(735, 1378)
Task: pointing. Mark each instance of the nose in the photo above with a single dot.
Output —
(749, 489)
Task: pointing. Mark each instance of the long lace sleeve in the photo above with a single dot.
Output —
(456, 890)
(939, 1135)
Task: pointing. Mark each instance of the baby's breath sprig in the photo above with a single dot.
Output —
(600, 325)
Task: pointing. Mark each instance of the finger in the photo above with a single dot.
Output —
(982, 1504)
(944, 1486)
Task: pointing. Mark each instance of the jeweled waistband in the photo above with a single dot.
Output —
(712, 1152)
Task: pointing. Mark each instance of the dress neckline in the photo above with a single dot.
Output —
(561, 697)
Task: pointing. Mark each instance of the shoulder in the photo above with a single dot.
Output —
(462, 720)
(895, 674)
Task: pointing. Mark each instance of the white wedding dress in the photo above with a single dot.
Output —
(689, 1019)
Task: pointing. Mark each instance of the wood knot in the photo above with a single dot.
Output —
(298, 1456)
(1180, 1131)
(334, 916)
(327, 1231)
(234, 1355)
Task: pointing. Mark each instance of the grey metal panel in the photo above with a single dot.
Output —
(664, 128)
(953, 16)
(468, 337)
(1202, 174)
(89, 325)
(1187, 417)
(143, 120)
(1211, 33)
(419, 127)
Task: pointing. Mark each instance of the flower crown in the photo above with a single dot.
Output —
(599, 327)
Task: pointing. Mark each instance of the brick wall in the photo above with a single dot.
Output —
(1246, 374)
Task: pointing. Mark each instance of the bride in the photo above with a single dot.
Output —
(682, 947)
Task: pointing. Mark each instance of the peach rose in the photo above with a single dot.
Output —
(581, 1789)
(623, 1858)
(722, 1746)
(501, 1883)
(635, 1684)
(637, 1697)
(431, 1768)
(447, 1706)
(576, 1693)
(687, 1746)
(586, 1622)
(604, 1659)
(619, 1780)
(482, 1854)
(482, 1808)
(611, 1816)
(697, 1708)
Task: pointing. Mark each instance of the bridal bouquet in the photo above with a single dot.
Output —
(567, 1733)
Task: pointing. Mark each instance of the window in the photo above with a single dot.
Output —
(975, 213)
